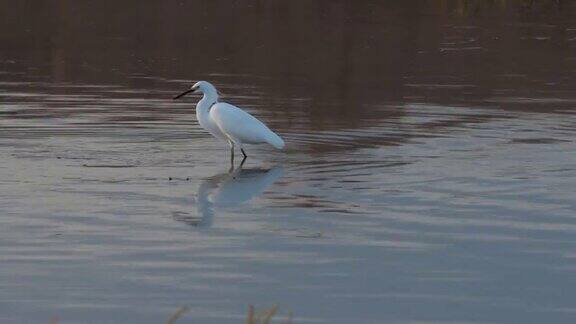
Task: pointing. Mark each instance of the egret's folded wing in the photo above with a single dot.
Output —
(241, 126)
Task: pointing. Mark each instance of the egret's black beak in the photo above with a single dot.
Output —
(184, 93)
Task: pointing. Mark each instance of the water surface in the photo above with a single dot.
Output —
(429, 174)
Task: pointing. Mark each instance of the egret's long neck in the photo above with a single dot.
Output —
(203, 107)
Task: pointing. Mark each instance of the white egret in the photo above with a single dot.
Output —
(230, 123)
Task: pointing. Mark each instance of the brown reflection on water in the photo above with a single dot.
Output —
(338, 56)
(310, 66)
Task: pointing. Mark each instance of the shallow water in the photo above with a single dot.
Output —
(429, 174)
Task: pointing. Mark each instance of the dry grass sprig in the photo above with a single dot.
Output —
(265, 316)
(179, 312)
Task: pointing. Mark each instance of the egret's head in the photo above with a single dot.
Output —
(200, 86)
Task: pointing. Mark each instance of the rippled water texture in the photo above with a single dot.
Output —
(429, 173)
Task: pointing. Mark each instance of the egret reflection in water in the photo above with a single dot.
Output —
(228, 190)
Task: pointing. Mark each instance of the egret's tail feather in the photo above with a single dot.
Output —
(275, 141)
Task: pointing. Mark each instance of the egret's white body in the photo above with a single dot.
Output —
(230, 123)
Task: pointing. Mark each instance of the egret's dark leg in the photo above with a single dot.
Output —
(245, 156)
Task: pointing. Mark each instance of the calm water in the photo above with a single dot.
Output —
(429, 174)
